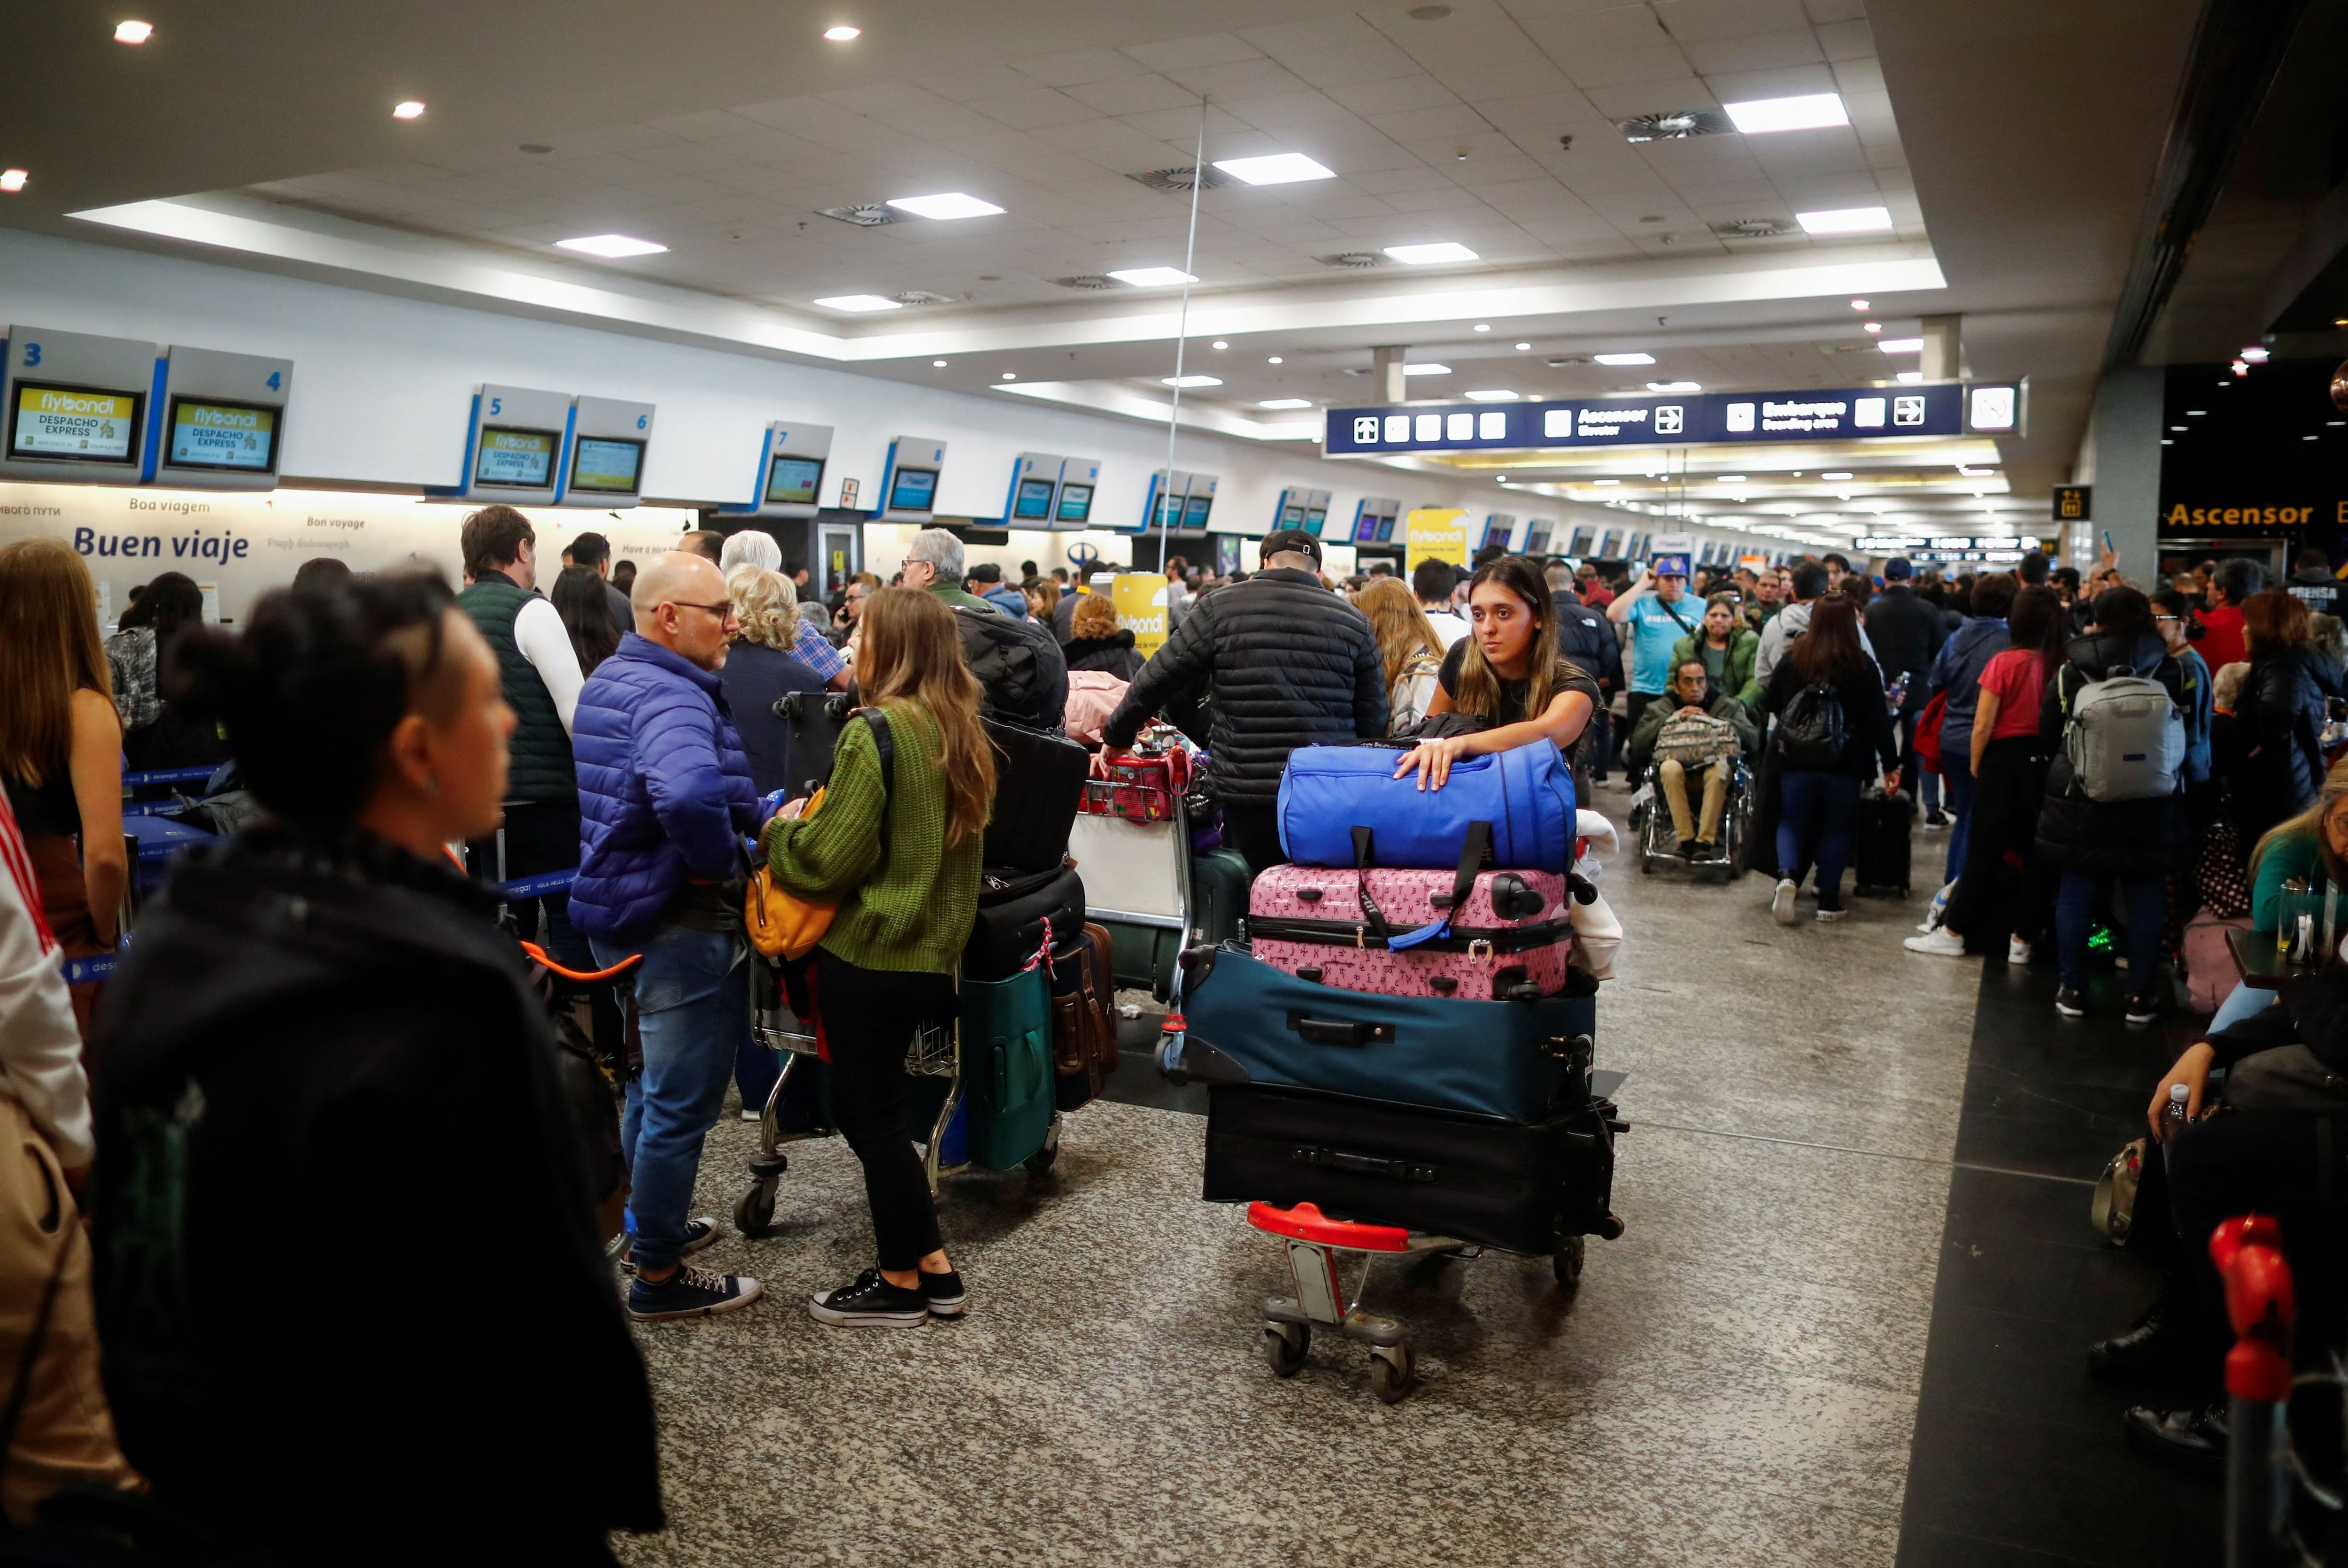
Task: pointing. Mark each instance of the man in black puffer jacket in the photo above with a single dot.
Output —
(1287, 664)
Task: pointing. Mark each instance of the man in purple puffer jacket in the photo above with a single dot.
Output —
(664, 800)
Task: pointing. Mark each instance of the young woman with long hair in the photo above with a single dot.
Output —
(1820, 792)
(2280, 715)
(1408, 652)
(1509, 675)
(61, 749)
(584, 603)
(2000, 894)
(901, 862)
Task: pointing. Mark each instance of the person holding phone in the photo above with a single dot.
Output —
(1653, 610)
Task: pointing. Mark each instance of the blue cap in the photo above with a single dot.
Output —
(1897, 569)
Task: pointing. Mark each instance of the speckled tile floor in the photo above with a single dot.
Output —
(1734, 1382)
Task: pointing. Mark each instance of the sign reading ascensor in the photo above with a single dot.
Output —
(1683, 419)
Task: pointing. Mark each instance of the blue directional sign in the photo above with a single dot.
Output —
(1683, 419)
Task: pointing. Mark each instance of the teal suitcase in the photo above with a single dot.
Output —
(1145, 955)
(1006, 1068)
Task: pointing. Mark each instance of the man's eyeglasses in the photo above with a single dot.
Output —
(720, 611)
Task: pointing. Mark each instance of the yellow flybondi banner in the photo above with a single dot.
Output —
(1139, 600)
(1436, 535)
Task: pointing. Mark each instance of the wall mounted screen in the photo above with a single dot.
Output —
(1291, 517)
(1076, 504)
(912, 489)
(74, 424)
(1537, 541)
(1314, 517)
(793, 481)
(1034, 502)
(1365, 529)
(606, 466)
(516, 459)
(1386, 530)
(1195, 511)
(241, 438)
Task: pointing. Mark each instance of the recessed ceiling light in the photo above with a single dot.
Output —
(1859, 304)
(937, 364)
(860, 302)
(1729, 480)
(1153, 277)
(1605, 481)
(1834, 476)
(13, 180)
(2255, 356)
(1483, 326)
(1524, 346)
(1429, 368)
(1428, 255)
(133, 32)
(1875, 326)
(1221, 344)
(1674, 386)
(1276, 169)
(843, 33)
(1189, 381)
(1901, 345)
(1908, 377)
(1491, 394)
(953, 204)
(1010, 375)
(1273, 360)
(1284, 402)
(1759, 116)
(1845, 220)
(609, 246)
(410, 109)
(1623, 358)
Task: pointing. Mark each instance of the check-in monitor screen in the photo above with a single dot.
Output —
(1291, 517)
(1313, 517)
(912, 489)
(74, 424)
(516, 459)
(1195, 511)
(1386, 530)
(1537, 541)
(1034, 502)
(605, 465)
(241, 438)
(793, 481)
(1496, 533)
(1365, 527)
(1076, 504)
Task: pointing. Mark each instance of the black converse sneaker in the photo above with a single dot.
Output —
(945, 1294)
(870, 1301)
(698, 1234)
(689, 1292)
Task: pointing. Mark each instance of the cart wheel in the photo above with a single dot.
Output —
(1284, 1345)
(1647, 864)
(1390, 1369)
(1567, 1262)
(753, 1214)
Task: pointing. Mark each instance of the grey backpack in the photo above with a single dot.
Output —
(2125, 739)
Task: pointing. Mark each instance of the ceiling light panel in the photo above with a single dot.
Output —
(843, 33)
(1623, 358)
(1491, 394)
(1901, 345)
(1763, 116)
(1284, 402)
(1430, 254)
(409, 110)
(133, 32)
(1191, 380)
(951, 204)
(1277, 168)
(12, 180)
(611, 246)
(1153, 277)
(1845, 220)
(860, 302)
(1427, 368)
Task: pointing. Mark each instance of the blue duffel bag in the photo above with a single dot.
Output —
(1327, 792)
(1248, 1022)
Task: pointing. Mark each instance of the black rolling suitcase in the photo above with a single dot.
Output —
(1014, 909)
(1879, 850)
(1039, 781)
(1517, 1186)
(812, 724)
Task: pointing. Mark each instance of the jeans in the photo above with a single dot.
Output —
(2145, 902)
(540, 836)
(1816, 814)
(2240, 1002)
(693, 1013)
(1957, 786)
(869, 1018)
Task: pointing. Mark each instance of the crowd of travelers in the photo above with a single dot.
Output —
(591, 755)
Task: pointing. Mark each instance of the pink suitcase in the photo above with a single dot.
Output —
(1309, 921)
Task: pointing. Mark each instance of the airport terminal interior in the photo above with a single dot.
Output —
(1287, 598)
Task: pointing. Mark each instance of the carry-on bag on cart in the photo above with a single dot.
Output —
(1249, 1022)
(1523, 1187)
(1218, 901)
(1880, 844)
(1039, 779)
(1084, 1016)
(1006, 1065)
(1020, 915)
(1525, 792)
(811, 725)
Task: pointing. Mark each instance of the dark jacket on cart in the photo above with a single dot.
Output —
(333, 1042)
(1287, 664)
(2107, 838)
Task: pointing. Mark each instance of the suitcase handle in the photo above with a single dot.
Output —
(1364, 1164)
(1341, 1031)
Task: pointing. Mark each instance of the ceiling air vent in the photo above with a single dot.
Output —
(865, 214)
(1352, 259)
(1753, 227)
(922, 297)
(1569, 359)
(1181, 180)
(1086, 281)
(1676, 125)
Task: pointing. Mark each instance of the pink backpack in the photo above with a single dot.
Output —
(2211, 976)
(1093, 696)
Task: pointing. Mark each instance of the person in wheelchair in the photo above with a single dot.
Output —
(1695, 733)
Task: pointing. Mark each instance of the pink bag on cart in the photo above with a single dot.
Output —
(1472, 934)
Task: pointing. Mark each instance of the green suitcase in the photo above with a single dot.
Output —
(1218, 901)
(1006, 1067)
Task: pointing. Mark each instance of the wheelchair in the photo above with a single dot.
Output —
(1659, 844)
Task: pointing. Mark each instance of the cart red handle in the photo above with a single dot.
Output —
(582, 977)
(2261, 1304)
(1305, 1221)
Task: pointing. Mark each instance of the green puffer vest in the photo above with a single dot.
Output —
(541, 748)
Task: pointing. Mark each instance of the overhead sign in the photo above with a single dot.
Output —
(1950, 550)
(1682, 419)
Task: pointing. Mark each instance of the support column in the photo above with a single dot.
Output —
(1386, 373)
(1943, 358)
(2122, 461)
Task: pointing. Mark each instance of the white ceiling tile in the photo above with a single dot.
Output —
(975, 81)
(1417, 125)
(1522, 199)
(1134, 94)
(1332, 38)
(1111, 143)
(1686, 19)
(1285, 111)
(1179, 54)
(1476, 33)
(1754, 52)
(1800, 153)
(1180, 126)
(1619, 103)
(1859, 75)
(1846, 40)
(1418, 177)
(1792, 81)
(698, 127)
(1836, 10)
(1593, 32)
(1339, 204)
(1079, 66)
(1528, 73)
(1237, 80)
(1423, 202)
(1620, 67)
(1028, 109)
(1547, 113)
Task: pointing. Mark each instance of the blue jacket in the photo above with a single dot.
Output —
(664, 791)
(1011, 601)
(2200, 705)
(1957, 669)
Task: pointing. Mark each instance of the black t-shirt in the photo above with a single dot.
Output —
(1569, 677)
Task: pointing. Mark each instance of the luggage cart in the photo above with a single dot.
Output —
(1136, 840)
(2273, 1506)
(1314, 1241)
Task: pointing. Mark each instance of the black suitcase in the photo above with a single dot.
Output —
(1039, 781)
(811, 726)
(1013, 909)
(1879, 853)
(1521, 1188)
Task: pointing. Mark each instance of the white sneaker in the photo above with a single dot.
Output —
(1831, 915)
(1781, 903)
(750, 1115)
(1941, 943)
(2017, 951)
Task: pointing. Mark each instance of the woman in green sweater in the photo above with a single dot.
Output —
(899, 856)
(1724, 646)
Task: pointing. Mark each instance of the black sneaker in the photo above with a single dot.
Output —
(2143, 1010)
(868, 1301)
(1687, 849)
(1936, 817)
(698, 1234)
(945, 1294)
(2070, 1002)
(689, 1293)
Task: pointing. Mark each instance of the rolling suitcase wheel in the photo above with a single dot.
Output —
(1286, 1346)
(1390, 1371)
(1568, 1260)
(1042, 1160)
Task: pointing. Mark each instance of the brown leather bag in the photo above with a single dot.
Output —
(1084, 1016)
